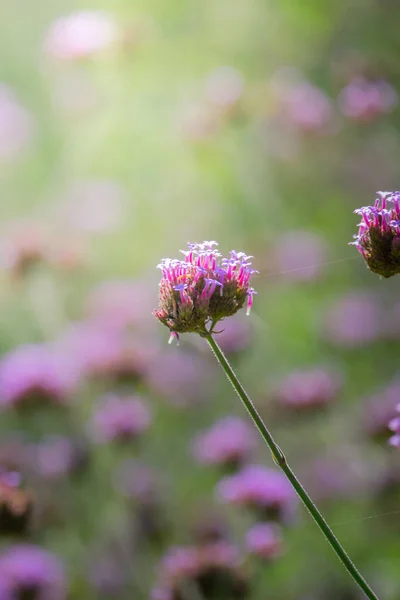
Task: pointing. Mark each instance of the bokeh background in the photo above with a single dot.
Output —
(128, 129)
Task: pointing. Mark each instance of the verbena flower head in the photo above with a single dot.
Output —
(203, 288)
(378, 238)
(119, 418)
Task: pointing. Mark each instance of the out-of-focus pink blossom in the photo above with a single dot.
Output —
(215, 568)
(16, 125)
(137, 481)
(32, 570)
(103, 351)
(379, 409)
(304, 105)
(260, 488)
(229, 441)
(57, 456)
(35, 373)
(235, 334)
(299, 255)
(308, 389)
(121, 304)
(394, 425)
(353, 321)
(119, 418)
(182, 378)
(81, 34)
(224, 87)
(264, 540)
(364, 100)
(94, 206)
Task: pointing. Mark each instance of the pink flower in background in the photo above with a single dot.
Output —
(308, 389)
(235, 334)
(179, 377)
(224, 87)
(394, 425)
(32, 572)
(214, 568)
(299, 255)
(258, 487)
(81, 34)
(57, 456)
(117, 418)
(99, 350)
(379, 409)
(16, 125)
(94, 206)
(364, 100)
(307, 108)
(36, 373)
(264, 540)
(137, 481)
(230, 441)
(352, 321)
(121, 304)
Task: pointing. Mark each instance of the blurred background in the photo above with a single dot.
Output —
(128, 468)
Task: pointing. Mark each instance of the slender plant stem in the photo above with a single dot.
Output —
(281, 461)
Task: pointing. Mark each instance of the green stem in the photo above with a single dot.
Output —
(281, 461)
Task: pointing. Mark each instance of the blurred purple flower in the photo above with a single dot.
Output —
(224, 87)
(264, 540)
(32, 572)
(99, 350)
(379, 409)
(260, 488)
(394, 425)
(121, 304)
(299, 255)
(137, 482)
(179, 377)
(16, 125)
(235, 335)
(57, 456)
(363, 100)
(304, 105)
(81, 34)
(308, 389)
(230, 441)
(119, 418)
(214, 569)
(353, 321)
(35, 373)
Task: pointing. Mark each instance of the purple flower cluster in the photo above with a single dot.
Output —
(119, 418)
(28, 571)
(264, 540)
(214, 570)
(308, 389)
(230, 441)
(203, 288)
(378, 238)
(394, 425)
(363, 100)
(33, 374)
(263, 489)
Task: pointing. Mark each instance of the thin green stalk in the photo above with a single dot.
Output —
(281, 461)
